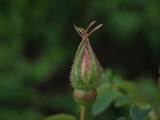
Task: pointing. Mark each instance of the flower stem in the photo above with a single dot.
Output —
(85, 113)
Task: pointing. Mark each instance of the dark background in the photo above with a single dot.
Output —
(38, 43)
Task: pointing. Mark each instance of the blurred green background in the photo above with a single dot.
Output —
(38, 43)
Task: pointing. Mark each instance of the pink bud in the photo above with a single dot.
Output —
(86, 70)
(86, 65)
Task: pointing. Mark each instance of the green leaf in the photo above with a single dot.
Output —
(122, 118)
(61, 117)
(138, 113)
(106, 95)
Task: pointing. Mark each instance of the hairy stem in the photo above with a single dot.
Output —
(85, 113)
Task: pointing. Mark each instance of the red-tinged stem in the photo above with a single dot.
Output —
(85, 113)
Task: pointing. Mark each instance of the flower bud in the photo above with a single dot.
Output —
(86, 70)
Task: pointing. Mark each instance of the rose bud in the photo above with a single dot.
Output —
(86, 70)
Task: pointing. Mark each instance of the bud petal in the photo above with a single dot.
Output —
(86, 66)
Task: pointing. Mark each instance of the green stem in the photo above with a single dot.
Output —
(85, 113)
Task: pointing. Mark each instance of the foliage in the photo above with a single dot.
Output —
(137, 113)
(122, 93)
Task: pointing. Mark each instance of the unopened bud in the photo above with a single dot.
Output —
(86, 70)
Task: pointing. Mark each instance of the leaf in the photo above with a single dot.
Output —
(61, 117)
(130, 93)
(138, 113)
(106, 95)
(122, 100)
(122, 118)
